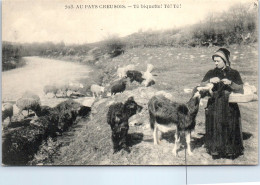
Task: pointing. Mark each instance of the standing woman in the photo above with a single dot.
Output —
(223, 122)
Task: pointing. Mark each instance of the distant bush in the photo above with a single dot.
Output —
(238, 25)
(113, 46)
(11, 56)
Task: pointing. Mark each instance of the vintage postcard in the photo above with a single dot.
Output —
(163, 82)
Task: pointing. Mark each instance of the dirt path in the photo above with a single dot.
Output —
(37, 73)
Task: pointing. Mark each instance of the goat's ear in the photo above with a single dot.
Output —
(130, 98)
(117, 119)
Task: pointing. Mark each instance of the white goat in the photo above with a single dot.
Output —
(97, 90)
(121, 71)
(50, 89)
(7, 111)
(29, 101)
(147, 75)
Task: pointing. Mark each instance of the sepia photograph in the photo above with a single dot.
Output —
(129, 83)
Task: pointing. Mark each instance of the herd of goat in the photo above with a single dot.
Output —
(164, 113)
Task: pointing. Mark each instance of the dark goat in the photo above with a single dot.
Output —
(119, 86)
(117, 117)
(166, 114)
(134, 75)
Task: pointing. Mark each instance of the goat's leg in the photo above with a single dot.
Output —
(188, 138)
(176, 142)
(155, 135)
(115, 141)
(159, 137)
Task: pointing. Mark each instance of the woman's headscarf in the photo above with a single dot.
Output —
(224, 54)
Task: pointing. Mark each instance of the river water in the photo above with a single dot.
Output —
(37, 73)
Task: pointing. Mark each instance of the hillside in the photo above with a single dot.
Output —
(176, 69)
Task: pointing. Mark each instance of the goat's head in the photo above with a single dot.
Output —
(132, 107)
(149, 67)
(37, 109)
(203, 91)
(125, 80)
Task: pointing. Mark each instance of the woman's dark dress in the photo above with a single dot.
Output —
(223, 123)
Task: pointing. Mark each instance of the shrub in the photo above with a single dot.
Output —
(114, 46)
(237, 25)
(20, 144)
(11, 56)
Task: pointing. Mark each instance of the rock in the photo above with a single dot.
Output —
(69, 93)
(88, 101)
(115, 60)
(135, 59)
(187, 90)
(165, 94)
(50, 95)
(61, 94)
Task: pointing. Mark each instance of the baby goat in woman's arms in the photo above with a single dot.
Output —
(166, 114)
(117, 117)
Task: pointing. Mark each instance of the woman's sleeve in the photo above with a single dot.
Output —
(207, 76)
(237, 83)
(237, 78)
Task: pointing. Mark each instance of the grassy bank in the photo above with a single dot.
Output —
(13, 64)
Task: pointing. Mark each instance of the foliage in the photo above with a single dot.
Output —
(20, 144)
(11, 56)
(47, 151)
(113, 46)
(238, 25)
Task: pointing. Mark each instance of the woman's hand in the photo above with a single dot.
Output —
(214, 80)
(226, 81)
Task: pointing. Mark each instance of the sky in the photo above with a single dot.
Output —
(50, 20)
